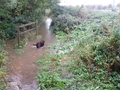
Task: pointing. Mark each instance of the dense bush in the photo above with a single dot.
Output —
(77, 11)
(65, 18)
(14, 12)
(58, 10)
(108, 51)
(65, 23)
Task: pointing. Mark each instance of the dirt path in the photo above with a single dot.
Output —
(22, 68)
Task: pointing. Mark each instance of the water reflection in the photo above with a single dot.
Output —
(45, 32)
(48, 23)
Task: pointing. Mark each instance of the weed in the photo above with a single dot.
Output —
(93, 63)
(3, 55)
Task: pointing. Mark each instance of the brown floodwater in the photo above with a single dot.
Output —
(21, 67)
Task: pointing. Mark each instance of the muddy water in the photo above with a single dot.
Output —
(22, 68)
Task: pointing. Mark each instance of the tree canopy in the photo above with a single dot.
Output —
(14, 12)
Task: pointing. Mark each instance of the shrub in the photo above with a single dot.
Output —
(64, 23)
(108, 51)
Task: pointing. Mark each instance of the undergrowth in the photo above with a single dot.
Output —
(92, 64)
(3, 55)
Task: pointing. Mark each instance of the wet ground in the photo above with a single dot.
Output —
(22, 68)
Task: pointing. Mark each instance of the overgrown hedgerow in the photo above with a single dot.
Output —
(65, 23)
(93, 63)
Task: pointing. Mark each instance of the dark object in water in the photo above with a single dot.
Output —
(39, 44)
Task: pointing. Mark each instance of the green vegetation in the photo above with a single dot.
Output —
(14, 13)
(65, 23)
(65, 18)
(87, 53)
(3, 55)
(94, 61)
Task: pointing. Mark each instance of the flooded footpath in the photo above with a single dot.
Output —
(21, 67)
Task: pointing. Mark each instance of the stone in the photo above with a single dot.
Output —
(13, 86)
